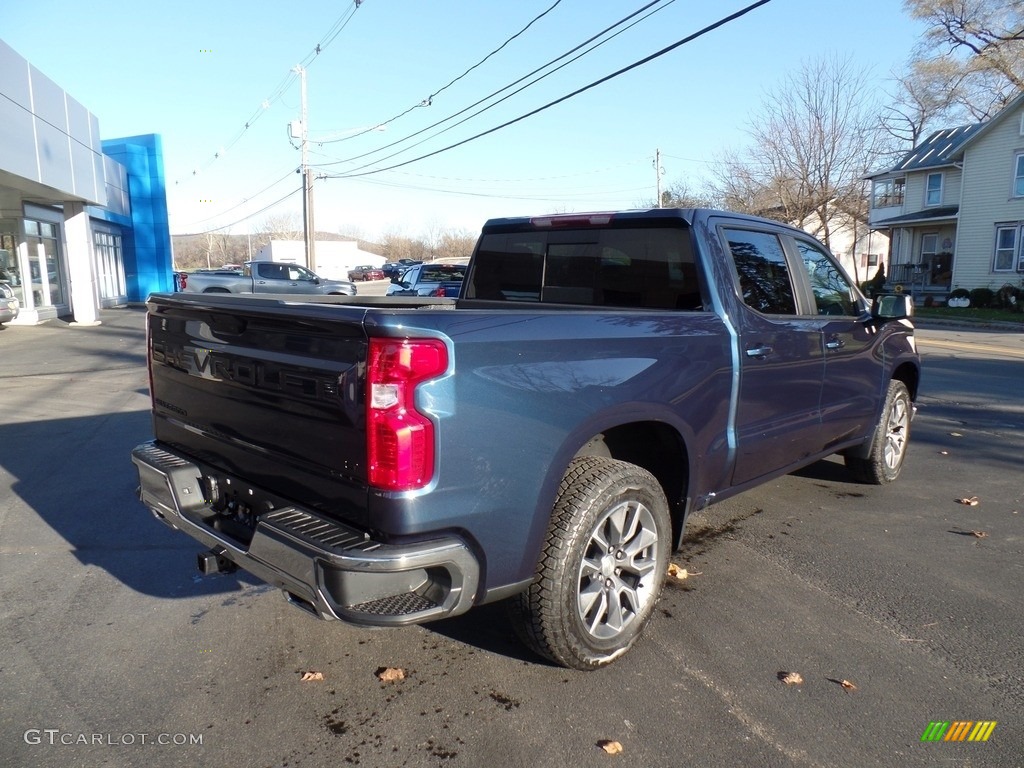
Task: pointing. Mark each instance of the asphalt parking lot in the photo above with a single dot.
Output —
(111, 636)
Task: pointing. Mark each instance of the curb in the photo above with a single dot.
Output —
(937, 323)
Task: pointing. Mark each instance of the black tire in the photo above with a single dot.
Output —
(596, 585)
(889, 441)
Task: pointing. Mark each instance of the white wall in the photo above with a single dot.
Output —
(334, 258)
(46, 137)
(988, 200)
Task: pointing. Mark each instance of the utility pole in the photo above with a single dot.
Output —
(657, 174)
(308, 227)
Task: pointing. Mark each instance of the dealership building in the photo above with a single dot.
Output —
(83, 220)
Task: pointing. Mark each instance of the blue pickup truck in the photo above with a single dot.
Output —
(539, 440)
(429, 280)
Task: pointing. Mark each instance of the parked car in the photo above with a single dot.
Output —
(365, 272)
(265, 277)
(395, 268)
(9, 304)
(429, 280)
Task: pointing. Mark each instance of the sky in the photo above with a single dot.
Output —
(395, 80)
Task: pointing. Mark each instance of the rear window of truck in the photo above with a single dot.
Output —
(649, 268)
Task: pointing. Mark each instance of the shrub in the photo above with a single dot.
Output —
(1009, 297)
(929, 301)
(960, 293)
(982, 297)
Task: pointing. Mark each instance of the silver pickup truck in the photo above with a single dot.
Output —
(266, 277)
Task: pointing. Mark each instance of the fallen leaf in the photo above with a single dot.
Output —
(611, 747)
(944, 453)
(309, 677)
(979, 534)
(847, 685)
(676, 572)
(681, 574)
(792, 678)
(970, 502)
(390, 674)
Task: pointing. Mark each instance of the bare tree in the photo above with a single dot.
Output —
(924, 93)
(678, 194)
(212, 249)
(455, 244)
(283, 226)
(812, 141)
(431, 237)
(395, 245)
(970, 59)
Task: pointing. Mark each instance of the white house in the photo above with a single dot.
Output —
(954, 207)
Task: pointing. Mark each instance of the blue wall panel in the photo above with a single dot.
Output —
(146, 246)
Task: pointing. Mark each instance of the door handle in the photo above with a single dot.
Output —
(759, 352)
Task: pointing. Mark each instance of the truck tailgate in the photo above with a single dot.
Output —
(265, 389)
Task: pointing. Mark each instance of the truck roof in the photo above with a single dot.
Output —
(632, 217)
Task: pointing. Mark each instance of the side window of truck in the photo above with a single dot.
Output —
(271, 271)
(763, 272)
(508, 268)
(832, 292)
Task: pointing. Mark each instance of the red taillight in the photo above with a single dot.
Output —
(572, 220)
(400, 439)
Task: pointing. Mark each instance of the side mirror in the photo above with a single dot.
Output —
(316, 281)
(892, 307)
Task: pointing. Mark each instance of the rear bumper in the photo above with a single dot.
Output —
(326, 567)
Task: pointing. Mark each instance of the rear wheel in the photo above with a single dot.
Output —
(890, 439)
(602, 567)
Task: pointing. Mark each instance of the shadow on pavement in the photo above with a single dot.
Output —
(75, 475)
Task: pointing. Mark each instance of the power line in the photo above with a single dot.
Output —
(506, 87)
(711, 27)
(688, 159)
(291, 172)
(244, 218)
(429, 100)
(530, 179)
(551, 197)
(336, 28)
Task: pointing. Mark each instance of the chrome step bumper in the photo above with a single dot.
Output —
(328, 568)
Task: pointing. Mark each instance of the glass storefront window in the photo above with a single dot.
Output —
(47, 273)
(10, 269)
(109, 265)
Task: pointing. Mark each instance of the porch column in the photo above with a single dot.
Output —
(81, 265)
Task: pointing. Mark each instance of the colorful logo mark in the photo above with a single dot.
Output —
(959, 730)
